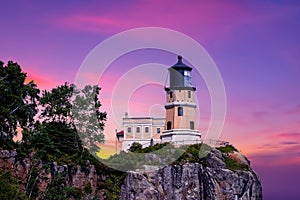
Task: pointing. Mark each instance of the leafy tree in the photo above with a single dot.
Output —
(87, 117)
(18, 100)
(57, 138)
(56, 133)
(57, 104)
(71, 119)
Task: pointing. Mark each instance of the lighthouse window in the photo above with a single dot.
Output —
(180, 111)
(187, 73)
(146, 129)
(189, 94)
(192, 125)
(137, 129)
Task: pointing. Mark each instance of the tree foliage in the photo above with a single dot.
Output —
(70, 120)
(57, 105)
(18, 100)
(87, 117)
(54, 133)
(58, 125)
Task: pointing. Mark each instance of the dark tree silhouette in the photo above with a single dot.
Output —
(18, 100)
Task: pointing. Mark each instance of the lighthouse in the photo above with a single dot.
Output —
(181, 108)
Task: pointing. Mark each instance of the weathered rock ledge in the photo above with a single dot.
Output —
(194, 181)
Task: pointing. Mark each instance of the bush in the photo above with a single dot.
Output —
(88, 188)
(135, 147)
(152, 148)
(73, 192)
(194, 153)
(234, 165)
(9, 187)
(227, 149)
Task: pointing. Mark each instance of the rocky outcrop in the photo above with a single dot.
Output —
(209, 180)
(30, 170)
(195, 181)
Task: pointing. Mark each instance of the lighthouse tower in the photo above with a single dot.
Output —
(181, 115)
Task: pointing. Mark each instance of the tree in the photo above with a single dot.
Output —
(57, 104)
(87, 117)
(18, 100)
(56, 133)
(70, 120)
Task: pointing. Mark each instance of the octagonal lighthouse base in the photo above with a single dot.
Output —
(180, 137)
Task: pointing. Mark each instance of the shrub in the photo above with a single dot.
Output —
(227, 149)
(9, 187)
(234, 165)
(88, 188)
(135, 147)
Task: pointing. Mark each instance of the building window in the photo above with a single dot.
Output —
(129, 129)
(146, 129)
(180, 111)
(189, 94)
(192, 125)
(169, 125)
(171, 95)
(158, 130)
(138, 129)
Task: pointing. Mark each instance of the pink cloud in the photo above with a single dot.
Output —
(146, 13)
(205, 19)
(276, 149)
(289, 135)
(92, 23)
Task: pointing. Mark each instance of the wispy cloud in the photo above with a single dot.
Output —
(289, 135)
(289, 142)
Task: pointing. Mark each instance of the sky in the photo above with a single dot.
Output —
(255, 45)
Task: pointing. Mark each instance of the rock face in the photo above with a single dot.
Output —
(194, 181)
(211, 180)
(28, 170)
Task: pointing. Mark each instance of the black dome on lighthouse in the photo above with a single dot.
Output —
(180, 65)
(180, 76)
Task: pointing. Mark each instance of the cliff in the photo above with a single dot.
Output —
(210, 181)
(48, 180)
(220, 175)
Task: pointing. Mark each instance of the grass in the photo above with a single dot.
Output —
(235, 165)
(227, 149)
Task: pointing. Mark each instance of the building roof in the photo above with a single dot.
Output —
(181, 65)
